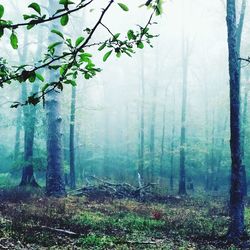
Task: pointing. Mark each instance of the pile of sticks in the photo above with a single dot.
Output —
(105, 189)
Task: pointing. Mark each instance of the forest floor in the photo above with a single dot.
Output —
(78, 223)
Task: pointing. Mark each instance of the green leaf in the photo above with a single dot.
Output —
(26, 17)
(32, 77)
(118, 54)
(53, 45)
(57, 32)
(116, 36)
(36, 7)
(140, 45)
(1, 32)
(65, 2)
(130, 35)
(123, 6)
(40, 77)
(64, 20)
(30, 26)
(45, 87)
(107, 55)
(79, 40)
(14, 40)
(1, 11)
(102, 47)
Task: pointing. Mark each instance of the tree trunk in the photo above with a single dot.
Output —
(71, 139)
(171, 180)
(55, 185)
(239, 39)
(18, 132)
(163, 140)
(244, 124)
(152, 136)
(29, 112)
(142, 124)
(182, 176)
(236, 227)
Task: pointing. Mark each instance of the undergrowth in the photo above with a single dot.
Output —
(114, 224)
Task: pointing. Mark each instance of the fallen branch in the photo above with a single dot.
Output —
(58, 230)
(156, 242)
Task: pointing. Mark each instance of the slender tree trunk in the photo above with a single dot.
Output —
(152, 136)
(163, 140)
(55, 185)
(18, 133)
(29, 112)
(142, 124)
(171, 181)
(106, 158)
(182, 176)
(236, 228)
(72, 139)
(207, 184)
(212, 162)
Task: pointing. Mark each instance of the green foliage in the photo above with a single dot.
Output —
(79, 40)
(64, 20)
(123, 6)
(98, 241)
(107, 55)
(36, 7)
(14, 40)
(122, 221)
(6, 180)
(1, 11)
(77, 59)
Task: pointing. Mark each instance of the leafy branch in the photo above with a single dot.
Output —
(75, 59)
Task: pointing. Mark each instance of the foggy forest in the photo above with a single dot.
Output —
(124, 124)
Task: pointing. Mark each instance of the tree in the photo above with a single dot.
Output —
(182, 177)
(55, 183)
(72, 138)
(236, 228)
(142, 125)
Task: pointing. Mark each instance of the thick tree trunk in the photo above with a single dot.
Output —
(239, 39)
(72, 139)
(236, 228)
(55, 185)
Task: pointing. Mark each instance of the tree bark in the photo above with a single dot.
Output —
(55, 185)
(239, 39)
(29, 112)
(182, 176)
(236, 227)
